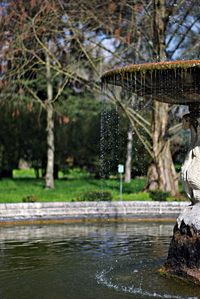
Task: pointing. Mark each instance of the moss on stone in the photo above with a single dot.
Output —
(181, 275)
(163, 271)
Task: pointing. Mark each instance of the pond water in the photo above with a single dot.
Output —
(83, 261)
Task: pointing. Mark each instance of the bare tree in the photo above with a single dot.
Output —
(44, 55)
(161, 25)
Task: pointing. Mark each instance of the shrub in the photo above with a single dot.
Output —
(158, 195)
(30, 198)
(97, 195)
(127, 188)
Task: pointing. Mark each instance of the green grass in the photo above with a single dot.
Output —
(70, 187)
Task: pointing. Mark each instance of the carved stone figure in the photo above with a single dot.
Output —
(190, 171)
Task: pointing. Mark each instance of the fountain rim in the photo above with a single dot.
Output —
(151, 66)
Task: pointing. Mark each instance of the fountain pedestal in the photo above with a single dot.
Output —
(184, 252)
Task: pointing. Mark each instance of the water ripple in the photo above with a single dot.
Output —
(102, 279)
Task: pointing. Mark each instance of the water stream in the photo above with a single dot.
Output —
(83, 261)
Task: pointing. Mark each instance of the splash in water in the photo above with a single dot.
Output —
(103, 279)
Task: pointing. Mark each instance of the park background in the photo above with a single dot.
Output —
(62, 135)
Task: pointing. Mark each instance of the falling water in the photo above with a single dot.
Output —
(109, 139)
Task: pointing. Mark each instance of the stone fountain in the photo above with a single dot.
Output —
(174, 82)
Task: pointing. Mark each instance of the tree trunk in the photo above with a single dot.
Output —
(152, 178)
(128, 166)
(49, 179)
(167, 179)
(37, 172)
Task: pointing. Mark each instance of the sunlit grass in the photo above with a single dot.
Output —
(69, 187)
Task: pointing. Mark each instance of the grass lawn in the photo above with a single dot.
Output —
(70, 187)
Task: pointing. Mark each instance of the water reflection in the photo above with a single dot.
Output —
(82, 261)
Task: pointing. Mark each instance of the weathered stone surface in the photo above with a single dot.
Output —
(184, 252)
(88, 210)
(191, 216)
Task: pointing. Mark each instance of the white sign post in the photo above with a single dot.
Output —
(120, 171)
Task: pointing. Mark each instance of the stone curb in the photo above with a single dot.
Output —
(12, 212)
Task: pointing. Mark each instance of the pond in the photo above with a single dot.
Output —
(83, 261)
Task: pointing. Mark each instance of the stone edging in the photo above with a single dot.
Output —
(14, 212)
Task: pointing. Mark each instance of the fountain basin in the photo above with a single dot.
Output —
(175, 82)
(85, 211)
(86, 261)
